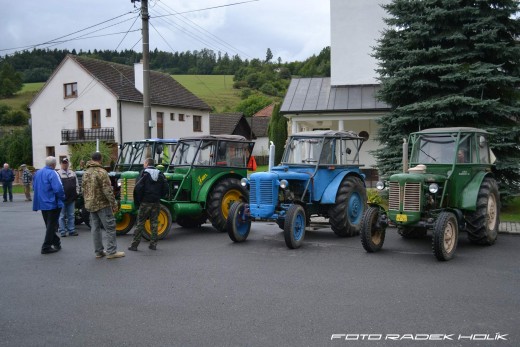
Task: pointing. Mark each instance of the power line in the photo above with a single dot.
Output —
(209, 8)
(120, 42)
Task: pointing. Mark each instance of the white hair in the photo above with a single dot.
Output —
(50, 161)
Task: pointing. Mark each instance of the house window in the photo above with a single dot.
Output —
(181, 117)
(70, 90)
(96, 119)
(172, 116)
(109, 112)
(197, 123)
(160, 122)
(50, 151)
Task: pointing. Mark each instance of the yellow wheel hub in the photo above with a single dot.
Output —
(124, 222)
(162, 220)
(229, 198)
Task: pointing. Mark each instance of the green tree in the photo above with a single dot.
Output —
(451, 63)
(268, 55)
(253, 104)
(277, 131)
(83, 151)
(16, 147)
(10, 80)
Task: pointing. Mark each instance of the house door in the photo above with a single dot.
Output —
(81, 125)
(96, 119)
(160, 131)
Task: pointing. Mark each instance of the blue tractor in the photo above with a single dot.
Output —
(319, 176)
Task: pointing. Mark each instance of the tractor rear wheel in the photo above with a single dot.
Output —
(372, 235)
(294, 228)
(482, 225)
(222, 196)
(410, 232)
(347, 212)
(163, 227)
(445, 236)
(238, 225)
(85, 215)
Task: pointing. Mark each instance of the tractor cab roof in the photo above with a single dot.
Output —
(216, 138)
(328, 133)
(451, 130)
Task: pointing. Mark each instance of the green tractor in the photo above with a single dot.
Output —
(449, 188)
(204, 179)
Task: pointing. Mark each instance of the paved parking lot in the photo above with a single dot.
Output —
(200, 289)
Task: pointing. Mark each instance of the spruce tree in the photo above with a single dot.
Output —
(451, 63)
(277, 131)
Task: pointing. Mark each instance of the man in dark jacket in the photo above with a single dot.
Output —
(148, 191)
(71, 188)
(48, 198)
(7, 178)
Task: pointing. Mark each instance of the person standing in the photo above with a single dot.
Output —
(101, 203)
(49, 197)
(148, 191)
(7, 178)
(26, 180)
(71, 188)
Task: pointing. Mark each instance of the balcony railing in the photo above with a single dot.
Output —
(86, 135)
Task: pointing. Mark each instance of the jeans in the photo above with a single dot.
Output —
(8, 186)
(51, 225)
(106, 218)
(27, 191)
(67, 219)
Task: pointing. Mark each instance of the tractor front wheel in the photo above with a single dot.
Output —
(124, 223)
(238, 224)
(222, 196)
(163, 226)
(347, 212)
(482, 225)
(294, 228)
(445, 236)
(372, 234)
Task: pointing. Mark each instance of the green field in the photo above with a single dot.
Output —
(216, 90)
(23, 97)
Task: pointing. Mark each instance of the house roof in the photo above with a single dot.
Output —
(317, 95)
(119, 79)
(259, 125)
(224, 123)
(265, 112)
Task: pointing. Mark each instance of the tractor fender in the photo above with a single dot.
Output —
(329, 195)
(206, 188)
(470, 193)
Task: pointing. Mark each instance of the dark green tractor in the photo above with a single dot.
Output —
(204, 179)
(450, 187)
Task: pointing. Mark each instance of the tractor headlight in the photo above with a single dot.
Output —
(244, 182)
(380, 185)
(433, 188)
(175, 186)
(284, 184)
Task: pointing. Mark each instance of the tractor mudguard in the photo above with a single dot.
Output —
(329, 195)
(468, 200)
(206, 188)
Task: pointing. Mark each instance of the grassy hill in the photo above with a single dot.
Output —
(216, 90)
(23, 97)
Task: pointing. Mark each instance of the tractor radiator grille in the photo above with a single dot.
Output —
(394, 196)
(130, 185)
(412, 197)
(261, 192)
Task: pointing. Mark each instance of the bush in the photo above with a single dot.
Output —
(245, 93)
(253, 104)
(84, 151)
(269, 89)
(15, 117)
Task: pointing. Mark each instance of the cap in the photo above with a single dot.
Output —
(23, 165)
(65, 160)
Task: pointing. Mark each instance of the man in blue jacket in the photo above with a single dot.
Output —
(7, 178)
(49, 197)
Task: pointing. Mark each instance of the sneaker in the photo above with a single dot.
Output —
(73, 234)
(116, 255)
(132, 248)
(101, 254)
(152, 247)
(63, 235)
(49, 250)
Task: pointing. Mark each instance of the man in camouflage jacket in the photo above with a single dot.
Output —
(101, 203)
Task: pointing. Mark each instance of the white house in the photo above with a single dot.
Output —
(346, 100)
(87, 99)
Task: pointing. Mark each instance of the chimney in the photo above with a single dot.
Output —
(138, 76)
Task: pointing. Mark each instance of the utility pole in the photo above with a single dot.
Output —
(146, 69)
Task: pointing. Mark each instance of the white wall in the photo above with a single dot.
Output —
(355, 27)
(51, 112)
(261, 146)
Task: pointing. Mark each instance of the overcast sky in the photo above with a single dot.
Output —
(292, 29)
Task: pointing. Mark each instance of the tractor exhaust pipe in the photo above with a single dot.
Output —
(271, 156)
(405, 155)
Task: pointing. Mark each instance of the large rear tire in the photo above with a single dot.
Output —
(482, 225)
(445, 236)
(238, 225)
(347, 212)
(163, 227)
(294, 228)
(124, 223)
(222, 196)
(372, 235)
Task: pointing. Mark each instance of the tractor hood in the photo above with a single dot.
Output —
(417, 178)
(286, 173)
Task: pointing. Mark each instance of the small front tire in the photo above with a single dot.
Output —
(294, 227)
(372, 233)
(445, 236)
(238, 224)
(163, 227)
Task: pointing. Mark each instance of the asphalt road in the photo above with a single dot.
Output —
(200, 289)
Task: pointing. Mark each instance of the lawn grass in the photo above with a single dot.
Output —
(511, 211)
(216, 90)
(21, 99)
